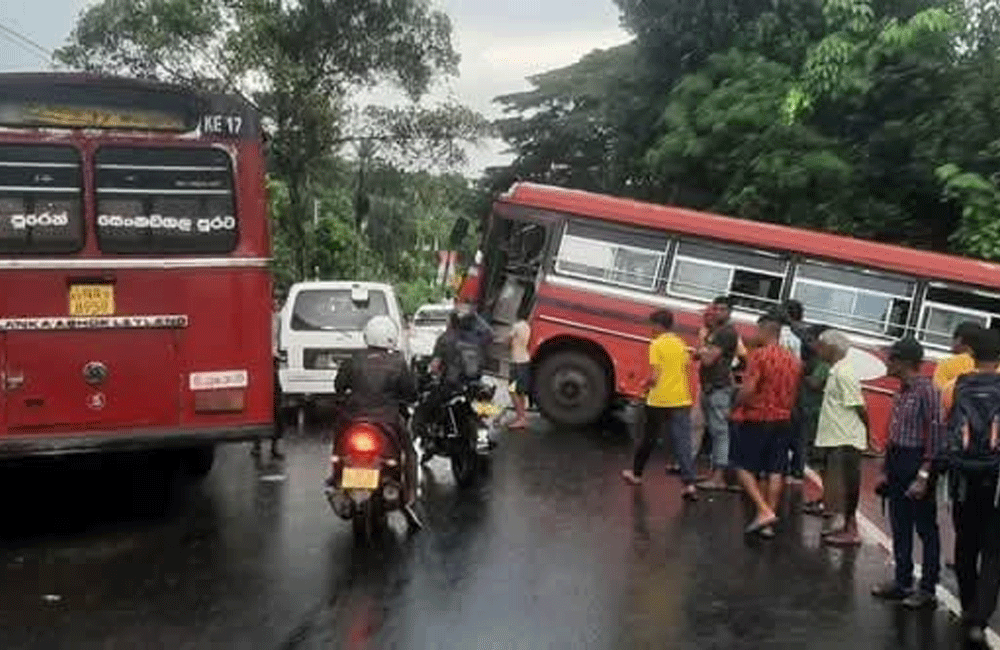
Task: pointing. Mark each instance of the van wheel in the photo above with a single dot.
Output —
(572, 388)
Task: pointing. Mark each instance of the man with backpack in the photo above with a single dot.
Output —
(972, 406)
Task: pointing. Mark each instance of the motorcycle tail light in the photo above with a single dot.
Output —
(363, 439)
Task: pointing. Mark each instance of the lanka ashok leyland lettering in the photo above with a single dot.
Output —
(134, 288)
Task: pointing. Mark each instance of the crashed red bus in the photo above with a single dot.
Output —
(589, 269)
(136, 297)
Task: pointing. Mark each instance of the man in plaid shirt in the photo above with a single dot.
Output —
(909, 482)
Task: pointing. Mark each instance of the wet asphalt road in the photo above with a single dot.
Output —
(552, 550)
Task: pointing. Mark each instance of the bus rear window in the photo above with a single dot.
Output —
(165, 201)
(40, 199)
(336, 310)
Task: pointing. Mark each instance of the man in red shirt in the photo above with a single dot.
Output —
(763, 421)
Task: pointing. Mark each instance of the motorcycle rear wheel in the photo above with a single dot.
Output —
(365, 522)
(465, 458)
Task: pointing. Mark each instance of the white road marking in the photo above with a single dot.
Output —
(272, 478)
(875, 535)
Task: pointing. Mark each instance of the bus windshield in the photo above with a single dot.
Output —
(334, 310)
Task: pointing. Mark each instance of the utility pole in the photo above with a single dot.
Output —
(315, 236)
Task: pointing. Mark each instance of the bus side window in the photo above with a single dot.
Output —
(625, 257)
(854, 299)
(703, 271)
(945, 307)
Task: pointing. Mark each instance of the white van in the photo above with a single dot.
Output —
(322, 323)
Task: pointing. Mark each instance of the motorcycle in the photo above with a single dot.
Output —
(368, 479)
(460, 427)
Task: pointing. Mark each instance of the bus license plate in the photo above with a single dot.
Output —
(92, 300)
(354, 478)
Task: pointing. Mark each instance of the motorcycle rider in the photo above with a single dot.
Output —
(381, 386)
(449, 366)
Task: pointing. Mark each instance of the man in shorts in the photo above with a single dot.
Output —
(764, 410)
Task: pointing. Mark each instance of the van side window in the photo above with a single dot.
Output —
(630, 258)
(703, 271)
(944, 308)
(854, 299)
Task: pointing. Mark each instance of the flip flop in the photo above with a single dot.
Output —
(757, 526)
(767, 532)
(840, 540)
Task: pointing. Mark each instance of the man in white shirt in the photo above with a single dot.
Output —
(842, 434)
(520, 370)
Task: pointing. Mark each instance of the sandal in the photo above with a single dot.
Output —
(814, 508)
(842, 539)
(757, 526)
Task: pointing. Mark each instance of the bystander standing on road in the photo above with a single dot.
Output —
(668, 403)
(799, 339)
(842, 434)
(763, 413)
(971, 405)
(278, 426)
(808, 405)
(947, 370)
(909, 479)
(520, 370)
(716, 377)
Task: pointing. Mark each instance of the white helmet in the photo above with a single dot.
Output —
(381, 332)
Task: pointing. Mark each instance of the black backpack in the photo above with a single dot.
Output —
(470, 357)
(973, 438)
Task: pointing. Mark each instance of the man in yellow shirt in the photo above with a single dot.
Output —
(668, 403)
(961, 360)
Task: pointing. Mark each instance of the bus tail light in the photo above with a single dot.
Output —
(226, 400)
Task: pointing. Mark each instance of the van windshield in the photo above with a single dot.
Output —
(333, 310)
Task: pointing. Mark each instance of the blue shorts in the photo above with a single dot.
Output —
(761, 447)
(520, 376)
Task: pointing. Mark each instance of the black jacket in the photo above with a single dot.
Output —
(380, 382)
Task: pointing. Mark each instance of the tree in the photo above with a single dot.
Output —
(581, 126)
(305, 58)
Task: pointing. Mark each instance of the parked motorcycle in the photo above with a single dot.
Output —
(368, 480)
(459, 427)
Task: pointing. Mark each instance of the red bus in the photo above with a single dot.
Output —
(135, 294)
(589, 269)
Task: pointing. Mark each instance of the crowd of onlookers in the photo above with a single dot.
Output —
(787, 401)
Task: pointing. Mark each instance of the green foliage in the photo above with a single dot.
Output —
(303, 60)
(831, 114)
(979, 231)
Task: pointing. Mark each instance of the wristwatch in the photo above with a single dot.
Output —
(923, 474)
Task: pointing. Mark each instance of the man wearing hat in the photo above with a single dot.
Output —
(908, 478)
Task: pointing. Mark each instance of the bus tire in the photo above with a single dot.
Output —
(197, 462)
(572, 388)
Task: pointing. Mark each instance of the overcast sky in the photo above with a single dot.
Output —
(501, 43)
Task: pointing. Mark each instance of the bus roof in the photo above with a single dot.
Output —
(89, 101)
(758, 234)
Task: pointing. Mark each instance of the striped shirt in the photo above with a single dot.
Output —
(916, 417)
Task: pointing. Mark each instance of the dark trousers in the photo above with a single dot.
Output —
(977, 548)
(673, 421)
(276, 406)
(797, 447)
(907, 515)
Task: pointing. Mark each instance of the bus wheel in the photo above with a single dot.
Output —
(572, 388)
(197, 462)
